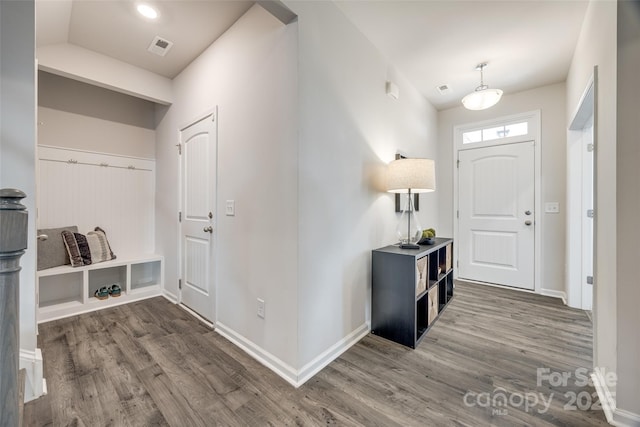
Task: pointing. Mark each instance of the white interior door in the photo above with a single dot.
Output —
(587, 210)
(199, 143)
(496, 200)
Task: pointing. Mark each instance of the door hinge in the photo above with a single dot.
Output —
(458, 214)
(590, 147)
(179, 283)
(589, 280)
(458, 264)
(179, 216)
(590, 213)
(458, 164)
(179, 148)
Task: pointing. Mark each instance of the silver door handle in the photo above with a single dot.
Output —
(42, 237)
(528, 223)
(208, 229)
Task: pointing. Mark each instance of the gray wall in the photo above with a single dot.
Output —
(628, 206)
(597, 47)
(17, 139)
(77, 115)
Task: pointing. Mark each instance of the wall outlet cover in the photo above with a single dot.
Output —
(552, 207)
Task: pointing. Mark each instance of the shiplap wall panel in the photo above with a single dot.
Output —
(116, 198)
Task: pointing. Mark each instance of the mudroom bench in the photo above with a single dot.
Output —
(66, 291)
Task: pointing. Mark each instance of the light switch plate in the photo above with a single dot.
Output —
(552, 207)
(230, 208)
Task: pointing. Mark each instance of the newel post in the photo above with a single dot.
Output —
(13, 242)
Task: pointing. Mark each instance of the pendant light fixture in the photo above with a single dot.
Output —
(483, 97)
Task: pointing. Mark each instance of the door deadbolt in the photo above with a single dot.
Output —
(210, 215)
(527, 212)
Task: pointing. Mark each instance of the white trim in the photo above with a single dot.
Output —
(31, 362)
(622, 418)
(555, 294)
(197, 316)
(284, 370)
(173, 298)
(213, 113)
(606, 397)
(331, 354)
(575, 176)
(101, 153)
(535, 134)
(293, 376)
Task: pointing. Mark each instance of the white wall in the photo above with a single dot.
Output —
(349, 130)
(550, 100)
(18, 145)
(597, 46)
(250, 74)
(628, 206)
(77, 115)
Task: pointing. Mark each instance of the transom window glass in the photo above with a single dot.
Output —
(497, 132)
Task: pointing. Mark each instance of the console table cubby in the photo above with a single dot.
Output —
(410, 288)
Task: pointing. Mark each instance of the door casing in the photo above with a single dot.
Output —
(179, 202)
(534, 134)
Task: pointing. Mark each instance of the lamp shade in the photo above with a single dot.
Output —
(482, 99)
(417, 175)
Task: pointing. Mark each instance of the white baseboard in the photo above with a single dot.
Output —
(607, 400)
(555, 294)
(197, 316)
(170, 296)
(615, 416)
(622, 418)
(272, 362)
(331, 354)
(31, 362)
(294, 377)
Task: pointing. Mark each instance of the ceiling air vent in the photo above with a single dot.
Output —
(160, 46)
(443, 89)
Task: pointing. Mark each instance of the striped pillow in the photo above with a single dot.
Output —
(99, 246)
(77, 247)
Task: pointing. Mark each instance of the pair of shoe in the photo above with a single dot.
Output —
(104, 292)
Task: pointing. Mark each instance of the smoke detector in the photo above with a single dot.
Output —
(160, 46)
(444, 89)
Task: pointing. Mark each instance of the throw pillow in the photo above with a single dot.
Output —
(52, 251)
(77, 247)
(99, 246)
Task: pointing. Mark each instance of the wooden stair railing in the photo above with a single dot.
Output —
(13, 242)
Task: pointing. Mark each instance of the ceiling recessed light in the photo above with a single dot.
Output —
(147, 11)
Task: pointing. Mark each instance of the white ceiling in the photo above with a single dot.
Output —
(115, 29)
(432, 42)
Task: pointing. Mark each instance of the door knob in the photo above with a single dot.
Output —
(527, 212)
(528, 222)
(42, 237)
(208, 229)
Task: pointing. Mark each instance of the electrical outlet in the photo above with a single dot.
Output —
(552, 207)
(231, 208)
(261, 308)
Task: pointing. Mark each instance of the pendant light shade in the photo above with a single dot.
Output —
(483, 97)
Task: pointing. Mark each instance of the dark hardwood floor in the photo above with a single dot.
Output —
(150, 363)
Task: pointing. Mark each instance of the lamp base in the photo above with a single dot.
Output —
(409, 246)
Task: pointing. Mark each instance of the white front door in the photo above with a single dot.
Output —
(198, 145)
(496, 198)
